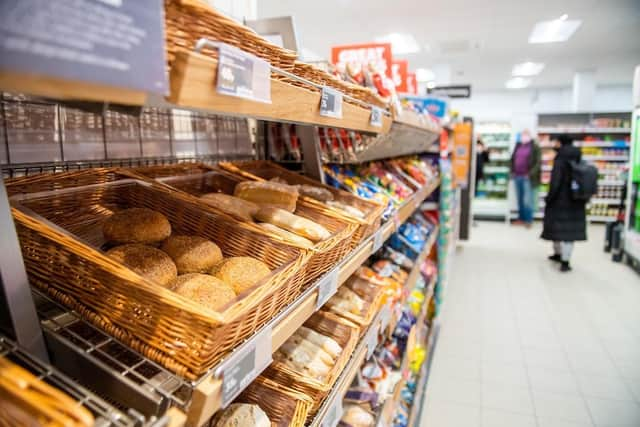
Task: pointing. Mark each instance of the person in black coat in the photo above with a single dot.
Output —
(565, 219)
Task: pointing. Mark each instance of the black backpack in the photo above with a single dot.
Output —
(584, 180)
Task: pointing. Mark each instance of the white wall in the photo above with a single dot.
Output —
(238, 9)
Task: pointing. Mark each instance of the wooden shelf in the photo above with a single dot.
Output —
(193, 85)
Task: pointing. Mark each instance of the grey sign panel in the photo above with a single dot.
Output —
(112, 42)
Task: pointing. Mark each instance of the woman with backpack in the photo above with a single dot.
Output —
(565, 219)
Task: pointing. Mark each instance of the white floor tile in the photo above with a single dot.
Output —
(441, 414)
(634, 386)
(554, 422)
(495, 418)
(456, 367)
(559, 381)
(513, 374)
(561, 406)
(605, 387)
(454, 390)
(614, 413)
(545, 357)
(507, 398)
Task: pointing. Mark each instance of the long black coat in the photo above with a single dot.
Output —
(564, 218)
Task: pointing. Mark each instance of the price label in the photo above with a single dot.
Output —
(418, 204)
(244, 367)
(376, 117)
(331, 103)
(378, 240)
(396, 221)
(372, 340)
(327, 288)
(385, 317)
(243, 75)
(333, 414)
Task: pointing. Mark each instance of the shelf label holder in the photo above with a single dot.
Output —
(378, 240)
(331, 103)
(376, 117)
(371, 338)
(327, 287)
(333, 414)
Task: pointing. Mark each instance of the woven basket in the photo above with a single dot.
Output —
(330, 325)
(326, 254)
(25, 400)
(60, 233)
(373, 298)
(260, 169)
(187, 21)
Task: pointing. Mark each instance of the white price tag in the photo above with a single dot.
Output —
(331, 103)
(372, 340)
(327, 288)
(378, 240)
(396, 221)
(376, 117)
(244, 367)
(334, 414)
(385, 317)
(243, 75)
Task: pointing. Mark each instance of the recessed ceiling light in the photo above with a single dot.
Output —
(517, 83)
(527, 69)
(401, 43)
(556, 30)
(424, 75)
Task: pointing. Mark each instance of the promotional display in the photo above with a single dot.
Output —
(400, 75)
(377, 56)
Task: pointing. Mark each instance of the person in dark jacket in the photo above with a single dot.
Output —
(565, 219)
(525, 170)
(482, 157)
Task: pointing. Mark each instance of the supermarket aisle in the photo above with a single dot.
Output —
(522, 344)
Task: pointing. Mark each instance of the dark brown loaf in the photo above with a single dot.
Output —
(150, 263)
(136, 225)
(204, 289)
(192, 254)
(242, 272)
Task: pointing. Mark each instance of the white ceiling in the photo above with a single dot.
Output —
(493, 35)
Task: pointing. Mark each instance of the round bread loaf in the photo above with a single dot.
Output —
(150, 263)
(136, 225)
(241, 272)
(203, 289)
(192, 254)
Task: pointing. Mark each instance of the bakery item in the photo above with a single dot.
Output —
(241, 273)
(301, 359)
(136, 225)
(312, 348)
(192, 254)
(352, 297)
(318, 193)
(294, 223)
(287, 235)
(203, 289)
(346, 208)
(327, 344)
(150, 263)
(268, 193)
(355, 416)
(242, 415)
(238, 208)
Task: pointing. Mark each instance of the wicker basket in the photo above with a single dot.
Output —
(60, 233)
(326, 254)
(25, 400)
(330, 325)
(372, 296)
(261, 169)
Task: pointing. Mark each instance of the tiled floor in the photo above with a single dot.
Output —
(522, 344)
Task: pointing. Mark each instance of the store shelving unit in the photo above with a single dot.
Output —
(631, 239)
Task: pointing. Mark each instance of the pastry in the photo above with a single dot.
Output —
(192, 254)
(136, 225)
(242, 273)
(352, 297)
(242, 415)
(204, 290)
(287, 235)
(327, 344)
(150, 263)
(294, 223)
(268, 193)
(318, 193)
(238, 208)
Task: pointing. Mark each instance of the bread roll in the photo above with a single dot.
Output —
(312, 348)
(242, 273)
(136, 225)
(318, 193)
(287, 235)
(268, 193)
(238, 208)
(150, 263)
(355, 416)
(352, 297)
(203, 289)
(302, 360)
(294, 223)
(192, 254)
(327, 344)
(242, 415)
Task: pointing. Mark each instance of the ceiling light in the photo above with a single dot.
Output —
(424, 75)
(527, 69)
(401, 43)
(517, 83)
(564, 17)
(556, 30)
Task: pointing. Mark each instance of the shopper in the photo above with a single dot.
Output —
(525, 171)
(565, 219)
(482, 157)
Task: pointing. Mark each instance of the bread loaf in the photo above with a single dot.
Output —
(301, 360)
(241, 273)
(312, 348)
(268, 193)
(318, 193)
(203, 289)
(150, 263)
(327, 344)
(238, 208)
(192, 254)
(294, 223)
(355, 416)
(136, 225)
(242, 415)
(287, 235)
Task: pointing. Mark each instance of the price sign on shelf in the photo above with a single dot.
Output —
(333, 414)
(372, 340)
(378, 240)
(245, 366)
(243, 75)
(385, 317)
(331, 103)
(396, 221)
(376, 117)
(327, 287)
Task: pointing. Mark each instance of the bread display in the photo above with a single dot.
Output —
(242, 415)
(136, 225)
(242, 273)
(327, 344)
(192, 254)
(150, 263)
(355, 416)
(274, 194)
(203, 289)
(318, 193)
(294, 223)
(241, 209)
(346, 301)
(346, 208)
(287, 235)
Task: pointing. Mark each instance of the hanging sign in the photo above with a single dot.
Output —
(461, 154)
(399, 73)
(412, 84)
(364, 55)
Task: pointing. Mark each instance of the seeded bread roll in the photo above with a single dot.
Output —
(238, 208)
(136, 225)
(242, 415)
(294, 223)
(192, 254)
(150, 263)
(241, 273)
(268, 194)
(287, 235)
(203, 289)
